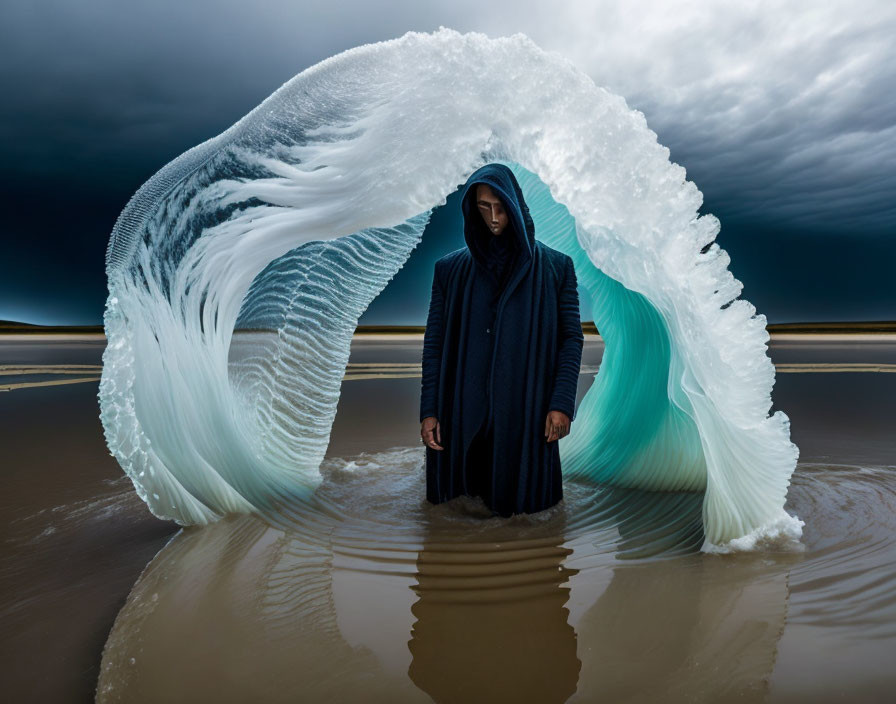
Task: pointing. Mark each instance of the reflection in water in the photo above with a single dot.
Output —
(238, 611)
(663, 629)
(602, 597)
(491, 623)
(325, 608)
(682, 632)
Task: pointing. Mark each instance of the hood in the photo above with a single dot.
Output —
(519, 226)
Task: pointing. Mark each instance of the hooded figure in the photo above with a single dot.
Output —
(502, 349)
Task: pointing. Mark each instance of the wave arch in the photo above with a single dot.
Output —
(298, 215)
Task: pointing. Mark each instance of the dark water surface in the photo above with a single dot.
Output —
(604, 597)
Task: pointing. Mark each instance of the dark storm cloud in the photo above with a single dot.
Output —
(98, 82)
(99, 95)
(780, 108)
(782, 113)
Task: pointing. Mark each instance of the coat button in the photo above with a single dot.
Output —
(488, 329)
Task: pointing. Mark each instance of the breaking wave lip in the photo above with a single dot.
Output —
(297, 216)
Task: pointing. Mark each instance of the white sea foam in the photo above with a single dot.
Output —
(297, 216)
(782, 535)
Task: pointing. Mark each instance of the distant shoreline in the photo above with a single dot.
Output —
(774, 329)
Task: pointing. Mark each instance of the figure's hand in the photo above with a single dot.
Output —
(556, 426)
(431, 433)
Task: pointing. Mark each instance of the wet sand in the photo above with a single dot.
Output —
(604, 597)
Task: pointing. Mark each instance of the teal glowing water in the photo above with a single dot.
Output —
(629, 431)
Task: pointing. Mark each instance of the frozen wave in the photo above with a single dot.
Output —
(297, 216)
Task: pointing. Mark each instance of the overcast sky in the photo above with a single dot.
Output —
(783, 114)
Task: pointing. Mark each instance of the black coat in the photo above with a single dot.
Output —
(508, 354)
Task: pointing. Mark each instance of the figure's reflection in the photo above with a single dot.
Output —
(491, 619)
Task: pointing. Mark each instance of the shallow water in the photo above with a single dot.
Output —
(604, 597)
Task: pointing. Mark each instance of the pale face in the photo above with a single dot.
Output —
(491, 208)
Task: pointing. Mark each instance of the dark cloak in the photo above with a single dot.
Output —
(500, 355)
